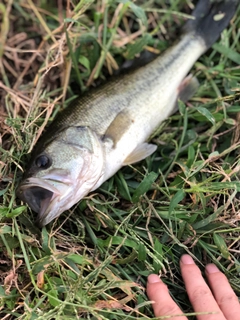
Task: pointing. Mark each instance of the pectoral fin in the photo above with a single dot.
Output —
(118, 127)
(140, 152)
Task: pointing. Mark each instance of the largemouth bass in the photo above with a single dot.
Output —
(108, 127)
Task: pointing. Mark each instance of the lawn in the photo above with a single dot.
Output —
(93, 261)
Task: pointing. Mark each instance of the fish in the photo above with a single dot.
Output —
(108, 127)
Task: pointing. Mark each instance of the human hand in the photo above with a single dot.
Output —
(220, 301)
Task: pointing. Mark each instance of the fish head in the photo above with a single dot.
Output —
(65, 171)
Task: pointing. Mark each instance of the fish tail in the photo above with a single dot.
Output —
(211, 18)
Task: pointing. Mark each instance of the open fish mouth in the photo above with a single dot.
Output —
(38, 198)
(39, 194)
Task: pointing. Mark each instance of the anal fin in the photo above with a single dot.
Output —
(188, 88)
(141, 152)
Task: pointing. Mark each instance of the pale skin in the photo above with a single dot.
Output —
(217, 297)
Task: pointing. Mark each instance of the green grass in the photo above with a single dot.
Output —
(92, 262)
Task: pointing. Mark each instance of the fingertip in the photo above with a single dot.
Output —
(153, 278)
(186, 259)
(162, 302)
(212, 268)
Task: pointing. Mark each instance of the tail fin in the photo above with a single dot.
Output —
(211, 18)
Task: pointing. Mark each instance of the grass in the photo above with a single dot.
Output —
(92, 262)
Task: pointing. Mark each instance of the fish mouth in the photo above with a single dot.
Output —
(40, 195)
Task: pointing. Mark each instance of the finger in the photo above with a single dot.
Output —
(163, 304)
(223, 293)
(198, 291)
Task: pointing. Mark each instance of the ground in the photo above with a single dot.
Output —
(93, 262)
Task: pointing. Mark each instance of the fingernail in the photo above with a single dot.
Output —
(153, 278)
(211, 268)
(186, 259)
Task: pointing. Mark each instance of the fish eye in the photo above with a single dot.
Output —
(43, 162)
